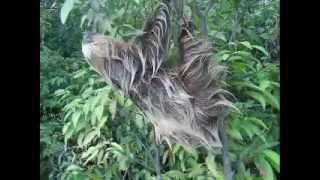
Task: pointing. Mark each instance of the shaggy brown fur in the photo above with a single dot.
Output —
(182, 103)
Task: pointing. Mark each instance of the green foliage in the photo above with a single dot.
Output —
(65, 10)
(88, 130)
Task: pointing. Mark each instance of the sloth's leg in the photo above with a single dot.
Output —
(194, 71)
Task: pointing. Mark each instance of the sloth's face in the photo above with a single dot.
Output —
(94, 50)
(87, 37)
(92, 44)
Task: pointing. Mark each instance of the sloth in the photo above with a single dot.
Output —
(183, 103)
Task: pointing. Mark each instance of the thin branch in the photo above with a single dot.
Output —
(158, 165)
(226, 159)
(203, 19)
(203, 16)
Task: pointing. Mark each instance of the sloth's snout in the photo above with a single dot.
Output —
(87, 37)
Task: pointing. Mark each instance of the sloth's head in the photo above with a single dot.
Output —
(91, 42)
(94, 47)
(98, 48)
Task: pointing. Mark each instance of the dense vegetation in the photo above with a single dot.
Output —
(90, 131)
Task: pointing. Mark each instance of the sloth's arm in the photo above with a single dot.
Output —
(155, 40)
(194, 61)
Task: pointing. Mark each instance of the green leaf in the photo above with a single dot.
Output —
(235, 134)
(96, 101)
(219, 35)
(196, 170)
(113, 108)
(269, 98)
(66, 127)
(225, 56)
(80, 139)
(247, 129)
(257, 96)
(81, 125)
(102, 121)
(99, 111)
(176, 148)
(233, 58)
(93, 155)
(86, 108)
(273, 158)
(223, 52)
(68, 131)
(246, 84)
(123, 163)
(165, 156)
(75, 118)
(117, 147)
(258, 122)
(100, 156)
(262, 49)
(211, 164)
(59, 92)
(202, 178)
(252, 129)
(137, 1)
(139, 120)
(73, 167)
(264, 84)
(89, 137)
(238, 67)
(83, 19)
(181, 158)
(276, 84)
(264, 168)
(91, 150)
(120, 98)
(105, 97)
(235, 3)
(243, 53)
(118, 14)
(65, 10)
(272, 100)
(175, 174)
(246, 44)
(106, 25)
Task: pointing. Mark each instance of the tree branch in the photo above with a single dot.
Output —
(228, 174)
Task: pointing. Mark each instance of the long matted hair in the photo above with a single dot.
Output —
(182, 103)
